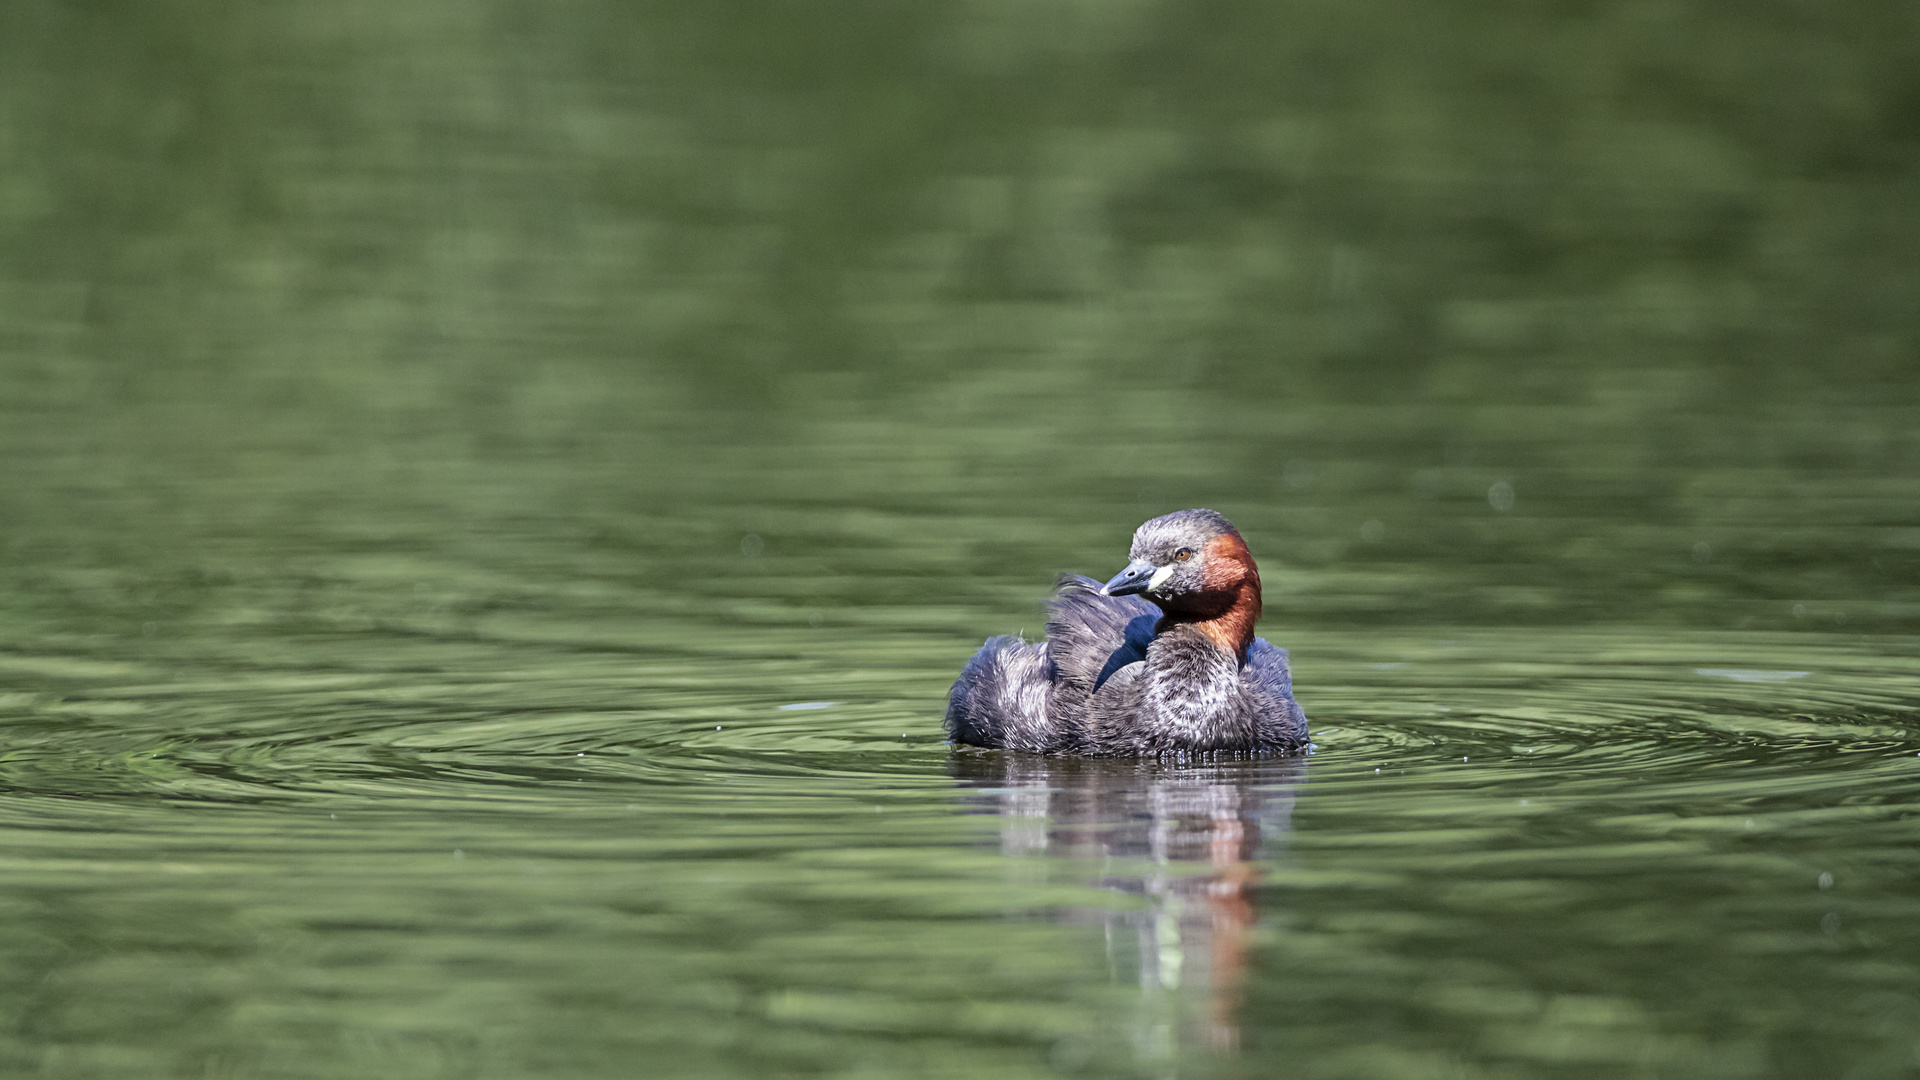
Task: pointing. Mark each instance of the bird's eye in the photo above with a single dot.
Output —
(1183, 555)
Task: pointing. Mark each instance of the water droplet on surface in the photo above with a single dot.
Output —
(806, 706)
(1500, 496)
(1825, 881)
(752, 546)
(1830, 923)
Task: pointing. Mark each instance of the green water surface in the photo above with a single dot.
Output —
(494, 496)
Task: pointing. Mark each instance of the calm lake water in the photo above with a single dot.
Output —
(494, 497)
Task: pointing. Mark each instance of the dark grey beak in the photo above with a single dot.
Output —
(1131, 581)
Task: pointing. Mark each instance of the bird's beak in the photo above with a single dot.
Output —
(1131, 581)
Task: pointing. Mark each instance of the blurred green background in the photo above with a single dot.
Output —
(1652, 265)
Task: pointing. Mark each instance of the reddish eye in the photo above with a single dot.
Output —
(1183, 555)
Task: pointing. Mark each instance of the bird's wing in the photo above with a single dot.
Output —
(1091, 635)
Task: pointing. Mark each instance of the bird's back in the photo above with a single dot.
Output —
(1031, 696)
(1001, 697)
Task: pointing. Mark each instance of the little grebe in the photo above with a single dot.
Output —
(1119, 675)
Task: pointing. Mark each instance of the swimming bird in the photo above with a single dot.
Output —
(1161, 660)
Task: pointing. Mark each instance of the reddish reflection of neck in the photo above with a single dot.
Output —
(1230, 894)
(1230, 903)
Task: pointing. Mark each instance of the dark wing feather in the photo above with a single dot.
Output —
(1090, 636)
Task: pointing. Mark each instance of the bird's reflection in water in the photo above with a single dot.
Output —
(1187, 838)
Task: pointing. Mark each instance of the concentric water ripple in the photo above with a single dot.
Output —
(1501, 841)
